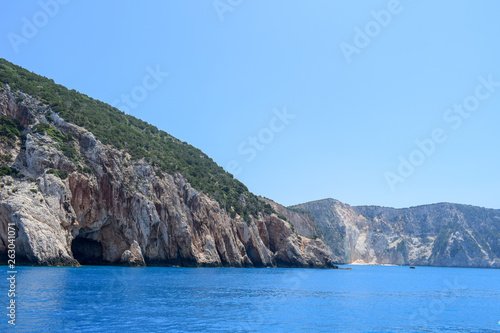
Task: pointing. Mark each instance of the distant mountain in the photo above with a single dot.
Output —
(441, 234)
(83, 183)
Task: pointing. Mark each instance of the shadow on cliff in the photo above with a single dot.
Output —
(87, 251)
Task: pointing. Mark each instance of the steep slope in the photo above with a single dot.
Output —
(138, 138)
(435, 235)
(74, 199)
(304, 222)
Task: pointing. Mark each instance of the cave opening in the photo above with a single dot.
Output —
(87, 251)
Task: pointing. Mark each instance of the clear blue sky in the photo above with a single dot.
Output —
(228, 77)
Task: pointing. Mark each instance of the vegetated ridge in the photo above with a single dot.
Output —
(84, 183)
(138, 138)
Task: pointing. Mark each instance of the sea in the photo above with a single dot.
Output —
(172, 299)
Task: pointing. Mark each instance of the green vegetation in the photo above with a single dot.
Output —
(87, 169)
(6, 158)
(455, 249)
(138, 138)
(51, 131)
(441, 242)
(10, 129)
(65, 141)
(283, 217)
(63, 174)
(34, 190)
(309, 214)
(401, 248)
(8, 171)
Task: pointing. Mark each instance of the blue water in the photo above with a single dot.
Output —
(154, 299)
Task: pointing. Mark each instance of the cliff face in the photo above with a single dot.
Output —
(80, 201)
(432, 235)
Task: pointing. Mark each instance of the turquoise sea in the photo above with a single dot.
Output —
(160, 299)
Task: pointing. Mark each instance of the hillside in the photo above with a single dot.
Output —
(138, 138)
(84, 183)
(441, 234)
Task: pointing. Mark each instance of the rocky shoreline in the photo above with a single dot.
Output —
(105, 207)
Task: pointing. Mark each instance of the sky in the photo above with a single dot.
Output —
(391, 103)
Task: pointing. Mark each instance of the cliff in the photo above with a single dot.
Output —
(75, 200)
(442, 234)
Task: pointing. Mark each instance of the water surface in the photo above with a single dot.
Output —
(159, 299)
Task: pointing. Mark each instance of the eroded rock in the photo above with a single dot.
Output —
(111, 209)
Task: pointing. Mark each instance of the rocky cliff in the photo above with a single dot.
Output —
(433, 235)
(77, 201)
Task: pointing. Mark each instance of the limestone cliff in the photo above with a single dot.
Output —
(85, 202)
(432, 235)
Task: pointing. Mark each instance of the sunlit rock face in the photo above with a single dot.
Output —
(105, 208)
(434, 235)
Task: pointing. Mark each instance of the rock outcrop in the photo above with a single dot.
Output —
(432, 235)
(133, 256)
(102, 207)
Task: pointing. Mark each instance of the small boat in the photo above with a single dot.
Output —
(412, 267)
